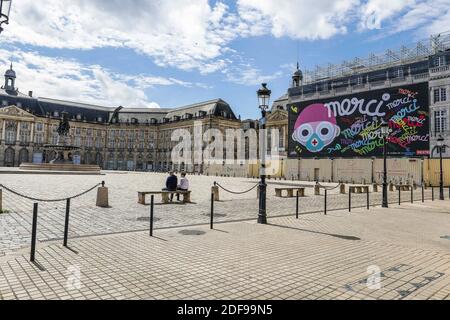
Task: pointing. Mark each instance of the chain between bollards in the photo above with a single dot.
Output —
(212, 212)
(66, 223)
(152, 205)
(33, 232)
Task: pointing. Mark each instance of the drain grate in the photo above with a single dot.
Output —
(445, 237)
(192, 232)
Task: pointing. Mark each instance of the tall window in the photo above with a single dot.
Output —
(39, 138)
(78, 141)
(439, 61)
(359, 80)
(440, 94)
(398, 73)
(98, 142)
(10, 136)
(281, 138)
(440, 121)
(55, 139)
(89, 141)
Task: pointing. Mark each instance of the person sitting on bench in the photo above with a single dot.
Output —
(184, 184)
(171, 184)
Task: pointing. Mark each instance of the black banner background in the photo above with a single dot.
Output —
(349, 126)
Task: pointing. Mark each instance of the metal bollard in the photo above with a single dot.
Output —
(66, 223)
(152, 204)
(325, 206)
(350, 200)
(412, 194)
(432, 193)
(33, 232)
(296, 205)
(399, 195)
(368, 199)
(212, 212)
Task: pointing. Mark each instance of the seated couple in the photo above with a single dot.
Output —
(172, 184)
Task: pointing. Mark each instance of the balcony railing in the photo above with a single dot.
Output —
(443, 133)
(440, 69)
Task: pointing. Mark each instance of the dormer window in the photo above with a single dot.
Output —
(78, 116)
(398, 73)
(99, 119)
(56, 114)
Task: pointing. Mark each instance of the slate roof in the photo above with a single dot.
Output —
(89, 112)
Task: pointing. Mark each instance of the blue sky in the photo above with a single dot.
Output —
(152, 53)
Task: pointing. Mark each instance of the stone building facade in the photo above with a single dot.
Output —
(113, 138)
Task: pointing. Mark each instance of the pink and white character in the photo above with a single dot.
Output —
(314, 128)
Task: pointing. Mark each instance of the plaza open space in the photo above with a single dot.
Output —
(110, 254)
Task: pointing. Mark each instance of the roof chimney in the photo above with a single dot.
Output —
(30, 93)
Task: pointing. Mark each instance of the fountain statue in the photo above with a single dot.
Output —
(63, 159)
(62, 150)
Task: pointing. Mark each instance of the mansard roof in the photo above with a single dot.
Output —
(91, 113)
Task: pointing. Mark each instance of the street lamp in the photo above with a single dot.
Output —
(263, 99)
(385, 134)
(440, 144)
(5, 8)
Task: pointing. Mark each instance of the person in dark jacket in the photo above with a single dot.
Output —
(171, 184)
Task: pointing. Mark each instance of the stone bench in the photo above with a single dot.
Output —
(359, 189)
(164, 195)
(290, 192)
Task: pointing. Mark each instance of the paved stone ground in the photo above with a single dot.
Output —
(314, 257)
(126, 214)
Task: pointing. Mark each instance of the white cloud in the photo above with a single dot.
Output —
(248, 75)
(70, 80)
(199, 34)
(187, 34)
(301, 19)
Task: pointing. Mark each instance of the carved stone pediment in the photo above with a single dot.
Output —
(15, 112)
(278, 115)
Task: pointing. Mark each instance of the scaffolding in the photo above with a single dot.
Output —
(419, 51)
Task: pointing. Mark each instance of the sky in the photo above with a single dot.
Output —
(157, 53)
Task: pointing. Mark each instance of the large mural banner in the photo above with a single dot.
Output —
(350, 126)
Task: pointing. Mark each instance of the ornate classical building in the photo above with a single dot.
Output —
(115, 138)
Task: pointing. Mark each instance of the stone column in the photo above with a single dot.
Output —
(18, 131)
(32, 133)
(4, 130)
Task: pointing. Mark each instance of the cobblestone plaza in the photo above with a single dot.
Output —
(315, 257)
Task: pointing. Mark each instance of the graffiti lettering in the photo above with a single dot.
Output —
(348, 106)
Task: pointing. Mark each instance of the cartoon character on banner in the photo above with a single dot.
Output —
(314, 129)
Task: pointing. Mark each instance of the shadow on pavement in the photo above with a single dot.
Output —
(344, 237)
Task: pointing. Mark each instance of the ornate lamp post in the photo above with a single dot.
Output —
(264, 99)
(5, 8)
(440, 145)
(385, 133)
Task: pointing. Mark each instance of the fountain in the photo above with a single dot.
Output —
(63, 151)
